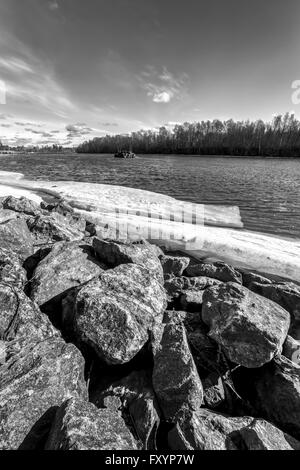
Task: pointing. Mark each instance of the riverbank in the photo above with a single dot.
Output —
(200, 230)
(136, 348)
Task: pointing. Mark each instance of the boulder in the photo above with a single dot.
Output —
(192, 300)
(285, 294)
(20, 319)
(79, 425)
(60, 206)
(138, 403)
(6, 215)
(159, 252)
(175, 378)
(56, 227)
(174, 265)
(22, 205)
(250, 329)
(33, 385)
(15, 236)
(176, 286)
(217, 270)
(206, 430)
(276, 394)
(115, 312)
(214, 369)
(114, 253)
(249, 278)
(291, 349)
(11, 270)
(68, 265)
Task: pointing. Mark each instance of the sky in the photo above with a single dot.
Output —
(71, 70)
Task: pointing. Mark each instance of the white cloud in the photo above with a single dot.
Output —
(162, 97)
(172, 123)
(14, 64)
(32, 82)
(163, 86)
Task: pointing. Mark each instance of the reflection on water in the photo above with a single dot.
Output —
(266, 190)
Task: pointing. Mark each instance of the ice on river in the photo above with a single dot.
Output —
(132, 213)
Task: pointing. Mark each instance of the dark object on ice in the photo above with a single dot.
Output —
(125, 154)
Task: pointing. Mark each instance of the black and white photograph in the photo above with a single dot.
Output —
(149, 228)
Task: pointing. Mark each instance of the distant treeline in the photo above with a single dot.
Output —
(281, 137)
(55, 148)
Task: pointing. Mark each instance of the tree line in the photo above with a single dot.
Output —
(280, 137)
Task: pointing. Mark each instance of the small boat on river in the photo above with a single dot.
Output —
(125, 154)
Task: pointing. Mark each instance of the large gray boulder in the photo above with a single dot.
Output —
(276, 394)
(250, 329)
(22, 205)
(33, 385)
(68, 265)
(206, 430)
(286, 294)
(218, 270)
(79, 425)
(115, 312)
(15, 236)
(138, 402)
(11, 269)
(175, 377)
(113, 253)
(56, 227)
(21, 319)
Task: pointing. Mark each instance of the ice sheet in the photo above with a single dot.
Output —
(195, 228)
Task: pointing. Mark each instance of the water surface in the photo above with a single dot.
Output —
(267, 190)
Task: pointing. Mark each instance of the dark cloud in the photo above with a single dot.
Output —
(76, 130)
(6, 125)
(34, 131)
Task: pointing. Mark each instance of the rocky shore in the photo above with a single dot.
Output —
(122, 346)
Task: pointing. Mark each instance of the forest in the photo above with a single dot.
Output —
(280, 137)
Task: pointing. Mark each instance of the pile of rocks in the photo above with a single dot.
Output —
(111, 345)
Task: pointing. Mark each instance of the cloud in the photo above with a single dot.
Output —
(53, 5)
(32, 81)
(5, 116)
(20, 141)
(109, 124)
(30, 124)
(77, 130)
(163, 86)
(15, 65)
(162, 97)
(5, 125)
(172, 124)
(36, 132)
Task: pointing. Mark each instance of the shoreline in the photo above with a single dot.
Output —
(106, 205)
(71, 154)
(192, 351)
